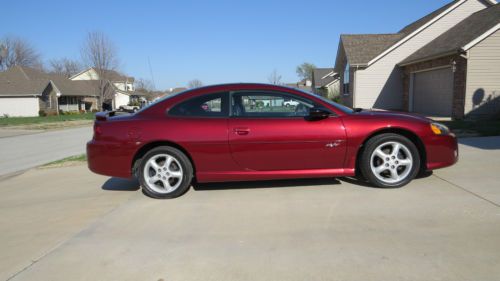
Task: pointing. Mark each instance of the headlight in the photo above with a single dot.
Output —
(439, 129)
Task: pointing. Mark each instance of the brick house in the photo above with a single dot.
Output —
(444, 64)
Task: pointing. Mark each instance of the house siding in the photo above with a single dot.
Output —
(342, 62)
(381, 84)
(483, 77)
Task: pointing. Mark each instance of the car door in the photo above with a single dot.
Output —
(200, 126)
(266, 134)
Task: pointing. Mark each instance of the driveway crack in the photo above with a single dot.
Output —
(468, 191)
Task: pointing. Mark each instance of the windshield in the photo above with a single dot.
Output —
(341, 107)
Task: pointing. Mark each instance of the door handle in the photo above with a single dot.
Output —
(241, 131)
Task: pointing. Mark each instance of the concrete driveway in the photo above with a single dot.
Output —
(25, 149)
(68, 224)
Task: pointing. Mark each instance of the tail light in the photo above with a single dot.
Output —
(97, 130)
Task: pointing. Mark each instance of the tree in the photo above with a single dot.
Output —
(274, 78)
(99, 52)
(17, 51)
(65, 66)
(195, 83)
(305, 70)
(144, 85)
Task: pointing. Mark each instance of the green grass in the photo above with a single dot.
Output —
(481, 127)
(14, 121)
(76, 158)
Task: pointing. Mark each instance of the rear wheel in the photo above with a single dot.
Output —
(390, 160)
(165, 172)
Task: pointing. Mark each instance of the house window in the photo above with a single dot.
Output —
(346, 79)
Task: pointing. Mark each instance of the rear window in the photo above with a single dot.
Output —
(212, 105)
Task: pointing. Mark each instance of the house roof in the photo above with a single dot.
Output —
(323, 76)
(425, 19)
(20, 80)
(361, 48)
(26, 88)
(460, 35)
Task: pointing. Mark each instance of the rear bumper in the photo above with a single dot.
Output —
(109, 159)
(442, 151)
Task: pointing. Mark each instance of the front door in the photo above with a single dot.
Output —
(268, 131)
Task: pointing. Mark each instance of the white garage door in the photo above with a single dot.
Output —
(19, 106)
(433, 92)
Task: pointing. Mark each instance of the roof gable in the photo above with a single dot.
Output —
(361, 48)
(455, 39)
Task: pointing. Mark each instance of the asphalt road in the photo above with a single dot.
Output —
(69, 224)
(19, 152)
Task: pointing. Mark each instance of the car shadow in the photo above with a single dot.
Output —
(265, 184)
(118, 184)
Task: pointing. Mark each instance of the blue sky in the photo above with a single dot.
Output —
(214, 41)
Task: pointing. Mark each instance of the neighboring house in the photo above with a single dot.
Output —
(325, 82)
(26, 91)
(432, 66)
(304, 85)
(121, 90)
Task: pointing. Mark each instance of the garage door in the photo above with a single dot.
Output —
(433, 92)
(19, 106)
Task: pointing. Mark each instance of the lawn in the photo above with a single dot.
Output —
(17, 121)
(481, 127)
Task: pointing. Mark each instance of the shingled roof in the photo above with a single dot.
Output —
(362, 48)
(26, 81)
(453, 40)
(322, 77)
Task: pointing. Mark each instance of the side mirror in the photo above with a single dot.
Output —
(318, 113)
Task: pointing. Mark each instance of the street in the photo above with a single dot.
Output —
(23, 151)
(69, 224)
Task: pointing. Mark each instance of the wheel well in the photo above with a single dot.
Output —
(144, 149)
(406, 133)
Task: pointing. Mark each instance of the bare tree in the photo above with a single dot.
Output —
(195, 83)
(99, 52)
(144, 85)
(274, 78)
(305, 70)
(65, 66)
(17, 51)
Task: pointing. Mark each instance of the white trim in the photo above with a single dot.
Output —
(328, 74)
(481, 37)
(431, 69)
(331, 83)
(409, 36)
(80, 73)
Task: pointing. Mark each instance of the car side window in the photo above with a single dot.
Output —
(269, 105)
(211, 105)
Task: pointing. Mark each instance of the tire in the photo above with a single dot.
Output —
(163, 182)
(383, 167)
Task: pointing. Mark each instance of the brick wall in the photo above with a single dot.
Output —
(459, 78)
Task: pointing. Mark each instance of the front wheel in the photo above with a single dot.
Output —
(390, 160)
(165, 172)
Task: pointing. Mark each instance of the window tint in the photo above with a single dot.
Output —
(269, 105)
(212, 105)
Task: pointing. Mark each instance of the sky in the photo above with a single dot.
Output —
(214, 41)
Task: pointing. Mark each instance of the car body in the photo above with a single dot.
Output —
(316, 138)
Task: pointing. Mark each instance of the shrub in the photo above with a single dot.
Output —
(82, 111)
(42, 113)
(95, 110)
(5, 115)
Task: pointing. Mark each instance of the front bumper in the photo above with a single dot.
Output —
(442, 151)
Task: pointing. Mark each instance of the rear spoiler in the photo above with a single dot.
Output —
(103, 115)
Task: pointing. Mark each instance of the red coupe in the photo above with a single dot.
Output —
(243, 132)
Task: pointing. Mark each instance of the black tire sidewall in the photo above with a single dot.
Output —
(372, 144)
(186, 167)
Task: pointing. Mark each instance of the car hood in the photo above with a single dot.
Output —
(392, 114)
